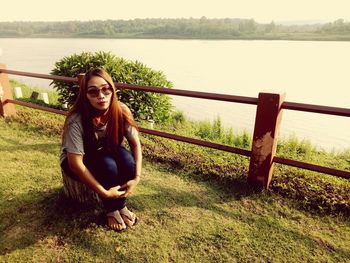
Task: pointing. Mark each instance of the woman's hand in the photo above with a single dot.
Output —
(115, 192)
(129, 186)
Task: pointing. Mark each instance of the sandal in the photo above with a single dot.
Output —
(129, 217)
(118, 219)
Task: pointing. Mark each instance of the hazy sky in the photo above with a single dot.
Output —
(260, 10)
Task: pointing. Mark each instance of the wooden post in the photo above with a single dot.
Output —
(267, 122)
(6, 109)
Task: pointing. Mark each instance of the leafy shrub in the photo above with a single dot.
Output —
(143, 105)
(204, 130)
(178, 117)
(244, 140)
(212, 131)
(229, 137)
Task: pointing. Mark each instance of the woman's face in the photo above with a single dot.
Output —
(99, 93)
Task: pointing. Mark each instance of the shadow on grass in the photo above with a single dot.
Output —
(36, 217)
(32, 217)
(295, 188)
(262, 226)
(235, 187)
(171, 197)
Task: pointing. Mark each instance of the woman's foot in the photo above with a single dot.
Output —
(129, 218)
(115, 221)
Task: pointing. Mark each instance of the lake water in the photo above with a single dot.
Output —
(307, 71)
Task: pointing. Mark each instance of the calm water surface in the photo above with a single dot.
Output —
(308, 72)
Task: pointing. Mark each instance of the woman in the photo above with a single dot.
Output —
(91, 146)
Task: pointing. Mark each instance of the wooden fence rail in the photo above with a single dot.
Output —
(267, 122)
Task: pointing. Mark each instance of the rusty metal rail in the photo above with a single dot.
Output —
(38, 76)
(35, 106)
(196, 94)
(316, 109)
(320, 109)
(207, 144)
(312, 167)
(188, 93)
(239, 99)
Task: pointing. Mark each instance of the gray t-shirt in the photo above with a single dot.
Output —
(73, 137)
(72, 141)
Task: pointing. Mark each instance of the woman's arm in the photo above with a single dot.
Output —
(76, 164)
(135, 147)
(132, 136)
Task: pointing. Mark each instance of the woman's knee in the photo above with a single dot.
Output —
(109, 165)
(125, 161)
(104, 165)
(125, 157)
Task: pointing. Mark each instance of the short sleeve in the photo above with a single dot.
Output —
(73, 139)
(130, 132)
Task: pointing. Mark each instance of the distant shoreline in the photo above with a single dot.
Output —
(201, 29)
(315, 38)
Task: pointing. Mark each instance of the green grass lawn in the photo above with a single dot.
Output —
(182, 219)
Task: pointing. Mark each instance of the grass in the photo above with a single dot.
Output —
(184, 217)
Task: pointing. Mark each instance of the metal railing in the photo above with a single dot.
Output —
(265, 170)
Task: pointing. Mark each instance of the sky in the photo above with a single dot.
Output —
(262, 11)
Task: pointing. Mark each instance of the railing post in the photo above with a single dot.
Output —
(267, 122)
(6, 109)
(80, 77)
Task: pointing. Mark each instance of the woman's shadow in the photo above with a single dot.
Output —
(30, 218)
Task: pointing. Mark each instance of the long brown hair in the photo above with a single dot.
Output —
(118, 116)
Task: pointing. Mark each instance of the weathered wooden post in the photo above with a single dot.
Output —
(6, 109)
(267, 122)
(77, 190)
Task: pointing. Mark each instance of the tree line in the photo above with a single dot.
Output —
(191, 28)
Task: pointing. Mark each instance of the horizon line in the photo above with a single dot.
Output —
(287, 21)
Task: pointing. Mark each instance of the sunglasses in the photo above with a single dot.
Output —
(94, 92)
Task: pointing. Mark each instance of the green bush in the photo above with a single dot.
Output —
(143, 105)
(178, 117)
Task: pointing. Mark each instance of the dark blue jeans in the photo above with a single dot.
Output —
(109, 170)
